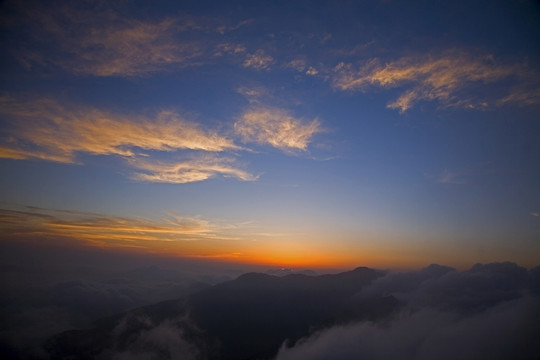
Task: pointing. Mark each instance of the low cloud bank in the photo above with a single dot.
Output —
(47, 290)
(488, 312)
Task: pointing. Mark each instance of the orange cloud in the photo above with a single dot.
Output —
(444, 78)
(44, 129)
(265, 125)
(197, 169)
(258, 60)
(105, 230)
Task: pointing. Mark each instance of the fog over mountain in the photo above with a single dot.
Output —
(45, 290)
(490, 311)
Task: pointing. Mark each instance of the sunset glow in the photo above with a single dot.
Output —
(283, 136)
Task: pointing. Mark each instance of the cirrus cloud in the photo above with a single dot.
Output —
(193, 170)
(454, 78)
(274, 126)
(102, 229)
(258, 60)
(93, 38)
(45, 129)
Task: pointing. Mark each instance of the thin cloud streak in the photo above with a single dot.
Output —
(44, 129)
(274, 126)
(448, 177)
(447, 78)
(194, 170)
(85, 225)
(96, 40)
(135, 49)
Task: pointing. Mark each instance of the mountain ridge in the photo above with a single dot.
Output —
(246, 318)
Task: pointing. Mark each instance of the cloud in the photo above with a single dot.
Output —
(222, 29)
(98, 41)
(454, 79)
(488, 311)
(134, 48)
(169, 339)
(312, 71)
(101, 229)
(44, 129)
(506, 331)
(254, 94)
(258, 60)
(298, 64)
(229, 48)
(274, 126)
(448, 177)
(50, 289)
(95, 39)
(198, 169)
(534, 214)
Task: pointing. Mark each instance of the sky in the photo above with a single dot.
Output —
(320, 134)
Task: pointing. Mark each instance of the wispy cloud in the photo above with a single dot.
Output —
(101, 228)
(96, 40)
(298, 64)
(44, 129)
(135, 48)
(197, 169)
(171, 234)
(534, 214)
(258, 60)
(229, 48)
(274, 126)
(448, 177)
(222, 29)
(454, 79)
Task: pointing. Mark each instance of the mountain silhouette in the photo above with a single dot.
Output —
(246, 318)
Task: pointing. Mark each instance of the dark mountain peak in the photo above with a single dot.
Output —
(360, 268)
(363, 270)
(246, 318)
(254, 276)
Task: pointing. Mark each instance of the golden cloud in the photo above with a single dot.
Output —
(44, 129)
(276, 127)
(444, 78)
(258, 60)
(104, 230)
(198, 169)
(172, 234)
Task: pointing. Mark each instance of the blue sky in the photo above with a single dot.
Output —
(318, 133)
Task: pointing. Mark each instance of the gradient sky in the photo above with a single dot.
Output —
(302, 134)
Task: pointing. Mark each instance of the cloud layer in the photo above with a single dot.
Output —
(487, 312)
(93, 39)
(101, 229)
